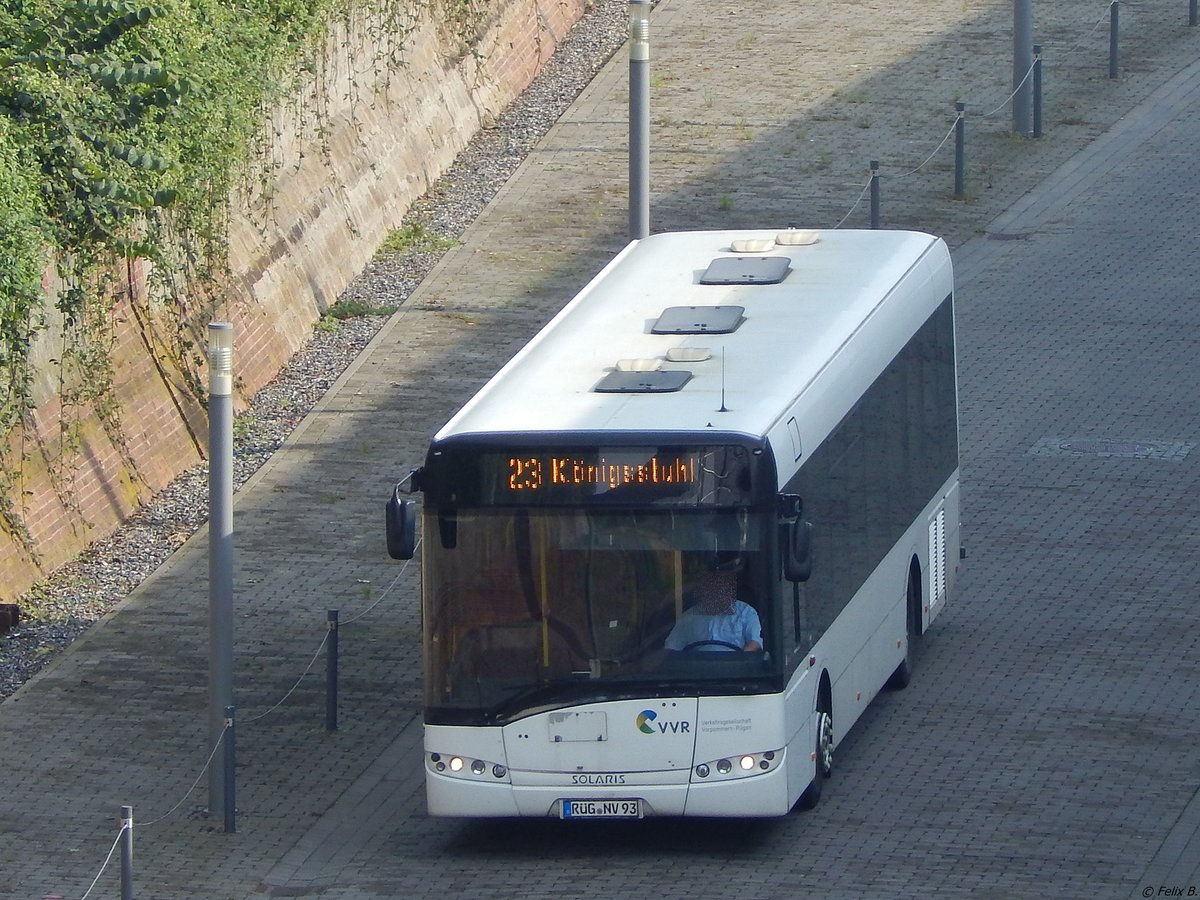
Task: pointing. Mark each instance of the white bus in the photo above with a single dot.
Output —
(777, 407)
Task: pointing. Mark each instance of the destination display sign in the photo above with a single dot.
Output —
(567, 471)
(687, 475)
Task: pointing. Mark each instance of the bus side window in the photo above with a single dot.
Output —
(800, 622)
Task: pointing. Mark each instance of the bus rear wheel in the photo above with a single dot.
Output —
(900, 678)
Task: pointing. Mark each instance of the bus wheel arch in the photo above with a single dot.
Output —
(914, 607)
(824, 743)
(916, 599)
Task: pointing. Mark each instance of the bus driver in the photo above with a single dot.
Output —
(717, 620)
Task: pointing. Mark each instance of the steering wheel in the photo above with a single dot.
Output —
(696, 644)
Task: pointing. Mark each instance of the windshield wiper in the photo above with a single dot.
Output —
(532, 698)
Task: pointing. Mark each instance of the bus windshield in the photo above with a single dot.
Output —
(534, 607)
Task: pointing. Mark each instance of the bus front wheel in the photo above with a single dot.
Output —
(824, 761)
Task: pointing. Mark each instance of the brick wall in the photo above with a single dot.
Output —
(348, 156)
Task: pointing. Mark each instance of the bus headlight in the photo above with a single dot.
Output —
(743, 766)
(466, 767)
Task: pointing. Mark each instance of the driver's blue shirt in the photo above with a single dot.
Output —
(738, 628)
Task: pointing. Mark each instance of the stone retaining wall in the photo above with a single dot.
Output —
(345, 160)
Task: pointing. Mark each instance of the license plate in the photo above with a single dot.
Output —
(601, 809)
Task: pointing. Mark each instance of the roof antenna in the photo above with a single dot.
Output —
(723, 407)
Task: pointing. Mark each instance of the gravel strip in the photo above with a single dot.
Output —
(61, 608)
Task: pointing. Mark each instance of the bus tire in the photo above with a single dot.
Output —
(900, 678)
(824, 761)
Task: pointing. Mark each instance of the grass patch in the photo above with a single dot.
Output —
(352, 309)
(413, 239)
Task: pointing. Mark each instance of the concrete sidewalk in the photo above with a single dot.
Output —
(759, 119)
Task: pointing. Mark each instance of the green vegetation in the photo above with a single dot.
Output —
(125, 125)
(414, 238)
(352, 309)
(21, 255)
(123, 129)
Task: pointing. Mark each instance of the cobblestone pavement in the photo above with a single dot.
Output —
(1047, 744)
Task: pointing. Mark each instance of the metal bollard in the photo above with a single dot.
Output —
(331, 671)
(960, 129)
(1037, 90)
(126, 853)
(875, 194)
(1192, 12)
(229, 801)
(1114, 20)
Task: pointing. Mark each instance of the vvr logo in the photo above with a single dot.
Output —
(647, 724)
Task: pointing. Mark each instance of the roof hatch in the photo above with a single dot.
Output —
(746, 270)
(659, 382)
(699, 320)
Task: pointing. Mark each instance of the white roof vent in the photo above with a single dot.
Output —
(795, 237)
(689, 354)
(642, 364)
(751, 245)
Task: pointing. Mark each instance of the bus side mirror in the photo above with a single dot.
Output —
(401, 520)
(797, 551)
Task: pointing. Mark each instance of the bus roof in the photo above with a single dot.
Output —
(860, 291)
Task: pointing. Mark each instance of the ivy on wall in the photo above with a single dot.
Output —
(125, 128)
(21, 265)
(101, 140)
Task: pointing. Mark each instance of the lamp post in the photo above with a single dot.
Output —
(1022, 64)
(639, 119)
(220, 547)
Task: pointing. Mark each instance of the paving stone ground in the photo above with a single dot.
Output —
(1048, 744)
